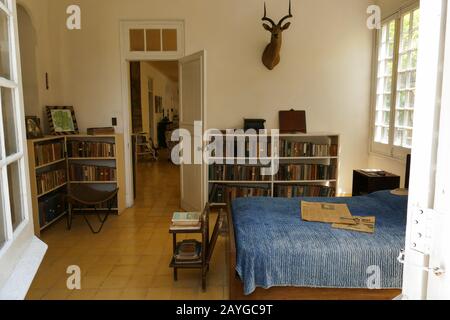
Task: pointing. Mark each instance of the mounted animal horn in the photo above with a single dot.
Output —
(271, 55)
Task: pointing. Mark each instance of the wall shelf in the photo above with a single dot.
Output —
(37, 150)
(329, 142)
(52, 190)
(50, 164)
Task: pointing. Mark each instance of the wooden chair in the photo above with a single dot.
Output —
(83, 198)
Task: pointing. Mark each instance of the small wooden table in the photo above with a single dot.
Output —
(367, 182)
(207, 246)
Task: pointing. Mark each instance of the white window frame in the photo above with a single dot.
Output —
(126, 26)
(388, 150)
(15, 83)
(21, 253)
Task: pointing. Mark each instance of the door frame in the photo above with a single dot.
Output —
(125, 57)
(426, 139)
(439, 249)
(202, 54)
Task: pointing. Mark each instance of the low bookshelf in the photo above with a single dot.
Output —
(308, 167)
(57, 162)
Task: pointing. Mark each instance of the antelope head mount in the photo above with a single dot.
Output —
(271, 55)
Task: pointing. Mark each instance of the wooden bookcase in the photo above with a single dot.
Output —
(272, 184)
(61, 164)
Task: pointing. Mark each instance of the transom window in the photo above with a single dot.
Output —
(153, 40)
(13, 211)
(397, 47)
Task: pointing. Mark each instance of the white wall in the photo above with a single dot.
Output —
(28, 41)
(325, 66)
(163, 87)
(47, 56)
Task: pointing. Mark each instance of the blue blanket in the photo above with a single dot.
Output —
(276, 248)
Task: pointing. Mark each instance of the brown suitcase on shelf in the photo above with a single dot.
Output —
(293, 121)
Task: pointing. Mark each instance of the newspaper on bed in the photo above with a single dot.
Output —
(326, 212)
(360, 224)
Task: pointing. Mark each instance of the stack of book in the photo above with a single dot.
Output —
(188, 251)
(307, 149)
(218, 192)
(236, 172)
(249, 191)
(292, 191)
(253, 149)
(91, 149)
(306, 172)
(186, 221)
(92, 173)
(47, 153)
(50, 180)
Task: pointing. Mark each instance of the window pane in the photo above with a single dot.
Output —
(153, 39)
(5, 65)
(9, 121)
(382, 134)
(384, 83)
(406, 80)
(170, 39)
(15, 194)
(137, 41)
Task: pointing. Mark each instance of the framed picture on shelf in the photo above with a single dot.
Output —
(33, 126)
(62, 120)
(292, 121)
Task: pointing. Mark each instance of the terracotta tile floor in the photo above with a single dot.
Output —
(129, 259)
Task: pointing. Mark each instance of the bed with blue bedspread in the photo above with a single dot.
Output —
(276, 248)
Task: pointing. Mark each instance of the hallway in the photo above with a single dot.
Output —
(129, 259)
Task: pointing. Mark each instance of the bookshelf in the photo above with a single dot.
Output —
(309, 166)
(55, 163)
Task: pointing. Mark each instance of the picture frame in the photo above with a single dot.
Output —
(62, 120)
(33, 127)
(293, 121)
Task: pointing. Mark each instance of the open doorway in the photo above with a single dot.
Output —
(154, 116)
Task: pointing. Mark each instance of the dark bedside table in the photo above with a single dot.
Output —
(365, 183)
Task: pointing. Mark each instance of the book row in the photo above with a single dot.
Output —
(237, 172)
(92, 173)
(287, 148)
(50, 180)
(89, 149)
(47, 153)
(218, 193)
(292, 191)
(306, 172)
(243, 148)
(307, 149)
